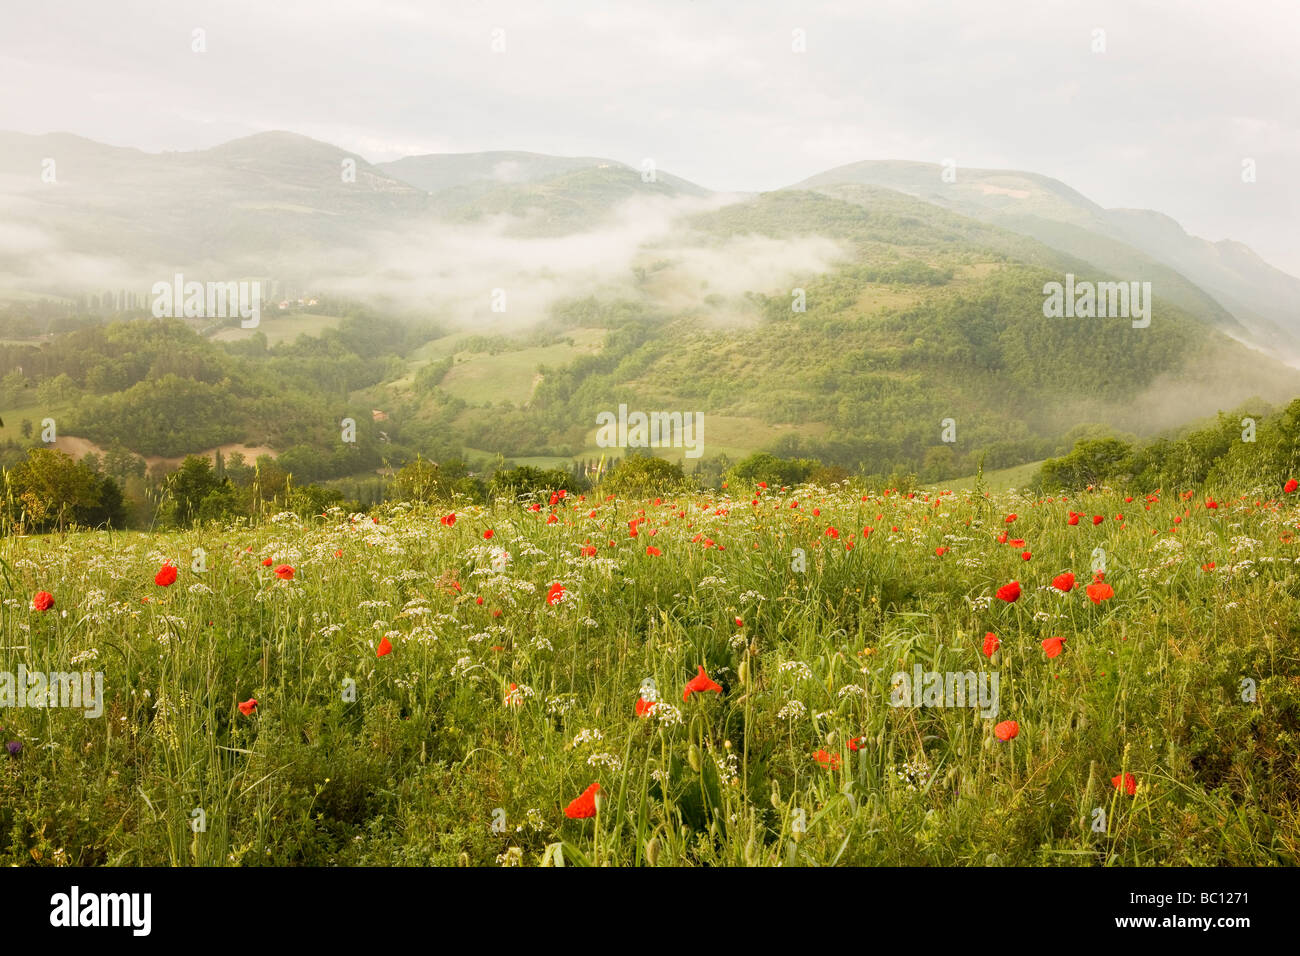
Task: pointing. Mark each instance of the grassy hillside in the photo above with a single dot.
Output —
(907, 315)
(1246, 297)
(933, 319)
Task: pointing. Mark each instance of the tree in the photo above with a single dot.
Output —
(48, 489)
(421, 480)
(1091, 462)
(189, 486)
(238, 470)
(122, 464)
(775, 471)
(641, 475)
(219, 504)
(526, 480)
(270, 481)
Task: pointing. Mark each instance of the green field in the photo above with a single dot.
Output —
(281, 328)
(511, 376)
(35, 412)
(1162, 733)
(999, 479)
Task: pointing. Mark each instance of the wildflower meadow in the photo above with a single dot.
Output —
(754, 677)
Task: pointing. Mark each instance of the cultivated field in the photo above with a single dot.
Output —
(723, 670)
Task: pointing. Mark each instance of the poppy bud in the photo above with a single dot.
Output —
(743, 671)
(693, 757)
(652, 851)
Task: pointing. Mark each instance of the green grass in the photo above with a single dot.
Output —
(282, 328)
(35, 412)
(412, 768)
(512, 376)
(1000, 479)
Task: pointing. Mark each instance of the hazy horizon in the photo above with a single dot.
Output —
(1161, 119)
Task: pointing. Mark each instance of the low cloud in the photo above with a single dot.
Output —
(453, 270)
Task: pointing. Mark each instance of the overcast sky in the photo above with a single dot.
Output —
(710, 89)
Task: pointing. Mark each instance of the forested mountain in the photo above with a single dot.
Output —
(844, 320)
(1245, 295)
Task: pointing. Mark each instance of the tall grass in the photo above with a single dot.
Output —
(410, 768)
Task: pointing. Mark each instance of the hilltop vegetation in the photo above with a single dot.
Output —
(875, 322)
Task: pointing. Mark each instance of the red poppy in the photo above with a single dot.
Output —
(42, 601)
(941, 551)
(740, 622)
(1026, 555)
(248, 706)
(1074, 518)
(644, 708)
(1291, 486)
(652, 551)
(991, 644)
(266, 562)
(1209, 566)
(700, 682)
(1009, 592)
(166, 576)
(1007, 730)
(1100, 592)
(284, 572)
(584, 807)
(1064, 582)
(487, 535)
(1052, 647)
(857, 743)
(1097, 519)
(448, 520)
(831, 761)
(1011, 517)
(385, 647)
(589, 550)
(1129, 783)
(556, 594)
